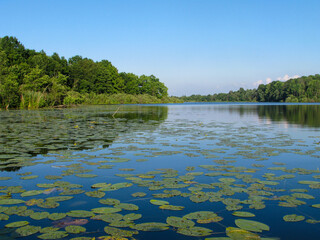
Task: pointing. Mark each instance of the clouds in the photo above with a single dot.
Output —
(269, 80)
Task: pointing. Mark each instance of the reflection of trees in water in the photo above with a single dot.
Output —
(304, 115)
(24, 134)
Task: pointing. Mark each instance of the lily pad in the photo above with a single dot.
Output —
(127, 206)
(3, 217)
(171, 207)
(96, 194)
(27, 230)
(57, 216)
(104, 210)
(202, 215)
(250, 225)
(243, 214)
(293, 218)
(195, 231)
(53, 235)
(158, 202)
(11, 201)
(241, 234)
(75, 229)
(39, 215)
(17, 224)
(138, 194)
(132, 216)
(119, 232)
(80, 213)
(179, 222)
(151, 227)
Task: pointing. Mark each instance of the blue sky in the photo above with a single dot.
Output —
(193, 46)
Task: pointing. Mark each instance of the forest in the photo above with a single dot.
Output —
(303, 89)
(31, 80)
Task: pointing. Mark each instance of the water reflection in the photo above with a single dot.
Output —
(24, 134)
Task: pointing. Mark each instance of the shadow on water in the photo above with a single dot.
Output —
(25, 134)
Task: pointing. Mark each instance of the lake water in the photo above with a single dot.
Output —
(245, 171)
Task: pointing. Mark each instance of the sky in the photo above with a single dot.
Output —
(193, 46)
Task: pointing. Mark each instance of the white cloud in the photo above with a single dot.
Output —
(287, 77)
(268, 80)
(256, 84)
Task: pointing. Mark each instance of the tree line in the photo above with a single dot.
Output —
(303, 89)
(33, 79)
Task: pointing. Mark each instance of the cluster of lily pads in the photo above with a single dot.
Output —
(220, 165)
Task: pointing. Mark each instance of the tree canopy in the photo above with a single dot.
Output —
(28, 76)
(303, 89)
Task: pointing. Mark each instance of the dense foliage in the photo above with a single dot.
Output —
(31, 79)
(303, 89)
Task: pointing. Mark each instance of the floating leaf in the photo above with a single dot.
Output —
(104, 210)
(293, 218)
(251, 225)
(17, 224)
(171, 207)
(74, 229)
(86, 175)
(202, 215)
(109, 201)
(131, 216)
(10, 201)
(96, 194)
(53, 235)
(138, 194)
(241, 234)
(195, 231)
(39, 215)
(151, 226)
(80, 213)
(127, 206)
(243, 214)
(179, 222)
(316, 205)
(158, 202)
(27, 230)
(57, 216)
(3, 217)
(119, 232)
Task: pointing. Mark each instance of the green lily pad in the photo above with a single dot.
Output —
(75, 229)
(293, 218)
(49, 229)
(151, 227)
(132, 216)
(53, 235)
(250, 225)
(86, 175)
(200, 215)
(316, 205)
(138, 194)
(109, 201)
(39, 215)
(243, 214)
(127, 206)
(158, 202)
(195, 231)
(3, 217)
(179, 222)
(48, 204)
(27, 230)
(96, 194)
(80, 213)
(119, 232)
(29, 177)
(109, 217)
(171, 207)
(17, 224)
(59, 198)
(241, 234)
(104, 210)
(57, 216)
(10, 201)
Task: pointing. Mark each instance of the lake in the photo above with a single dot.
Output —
(175, 171)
